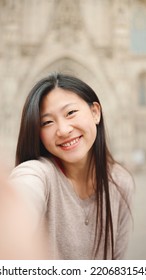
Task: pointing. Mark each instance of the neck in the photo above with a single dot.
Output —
(80, 169)
(82, 176)
(78, 172)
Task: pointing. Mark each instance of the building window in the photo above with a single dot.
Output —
(142, 90)
(138, 31)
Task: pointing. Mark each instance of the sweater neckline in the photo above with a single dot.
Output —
(85, 201)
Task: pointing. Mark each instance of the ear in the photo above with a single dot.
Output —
(96, 112)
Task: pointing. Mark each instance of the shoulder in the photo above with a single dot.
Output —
(41, 168)
(123, 179)
(34, 177)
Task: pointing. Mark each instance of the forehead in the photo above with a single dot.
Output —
(58, 98)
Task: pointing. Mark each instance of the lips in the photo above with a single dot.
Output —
(70, 143)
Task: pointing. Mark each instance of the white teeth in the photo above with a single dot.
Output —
(70, 143)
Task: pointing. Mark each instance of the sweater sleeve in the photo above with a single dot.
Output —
(29, 180)
(125, 219)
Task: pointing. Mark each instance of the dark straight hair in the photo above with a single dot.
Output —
(30, 147)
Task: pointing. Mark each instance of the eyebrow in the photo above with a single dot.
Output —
(63, 108)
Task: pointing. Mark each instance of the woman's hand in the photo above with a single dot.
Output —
(17, 237)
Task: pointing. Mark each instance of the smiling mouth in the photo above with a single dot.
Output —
(71, 143)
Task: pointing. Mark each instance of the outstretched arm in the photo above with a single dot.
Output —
(19, 238)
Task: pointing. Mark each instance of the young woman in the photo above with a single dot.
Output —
(67, 174)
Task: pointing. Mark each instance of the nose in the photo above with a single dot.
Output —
(64, 129)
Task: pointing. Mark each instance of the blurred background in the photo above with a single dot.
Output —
(104, 43)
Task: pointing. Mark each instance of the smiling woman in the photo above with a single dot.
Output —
(67, 175)
(68, 125)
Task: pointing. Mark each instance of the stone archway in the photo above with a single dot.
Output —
(71, 63)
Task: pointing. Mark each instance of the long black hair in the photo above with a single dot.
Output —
(30, 147)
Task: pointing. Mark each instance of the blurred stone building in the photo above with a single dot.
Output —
(101, 41)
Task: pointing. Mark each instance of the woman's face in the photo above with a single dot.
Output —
(68, 125)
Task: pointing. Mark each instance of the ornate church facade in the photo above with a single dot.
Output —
(101, 41)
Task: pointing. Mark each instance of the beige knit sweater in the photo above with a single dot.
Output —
(50, 194)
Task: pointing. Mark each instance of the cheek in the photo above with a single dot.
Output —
(44, 136)
(89, 123)
(92, 129)
(47, 137)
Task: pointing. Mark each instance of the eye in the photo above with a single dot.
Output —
(72, 112)
(46, 123)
